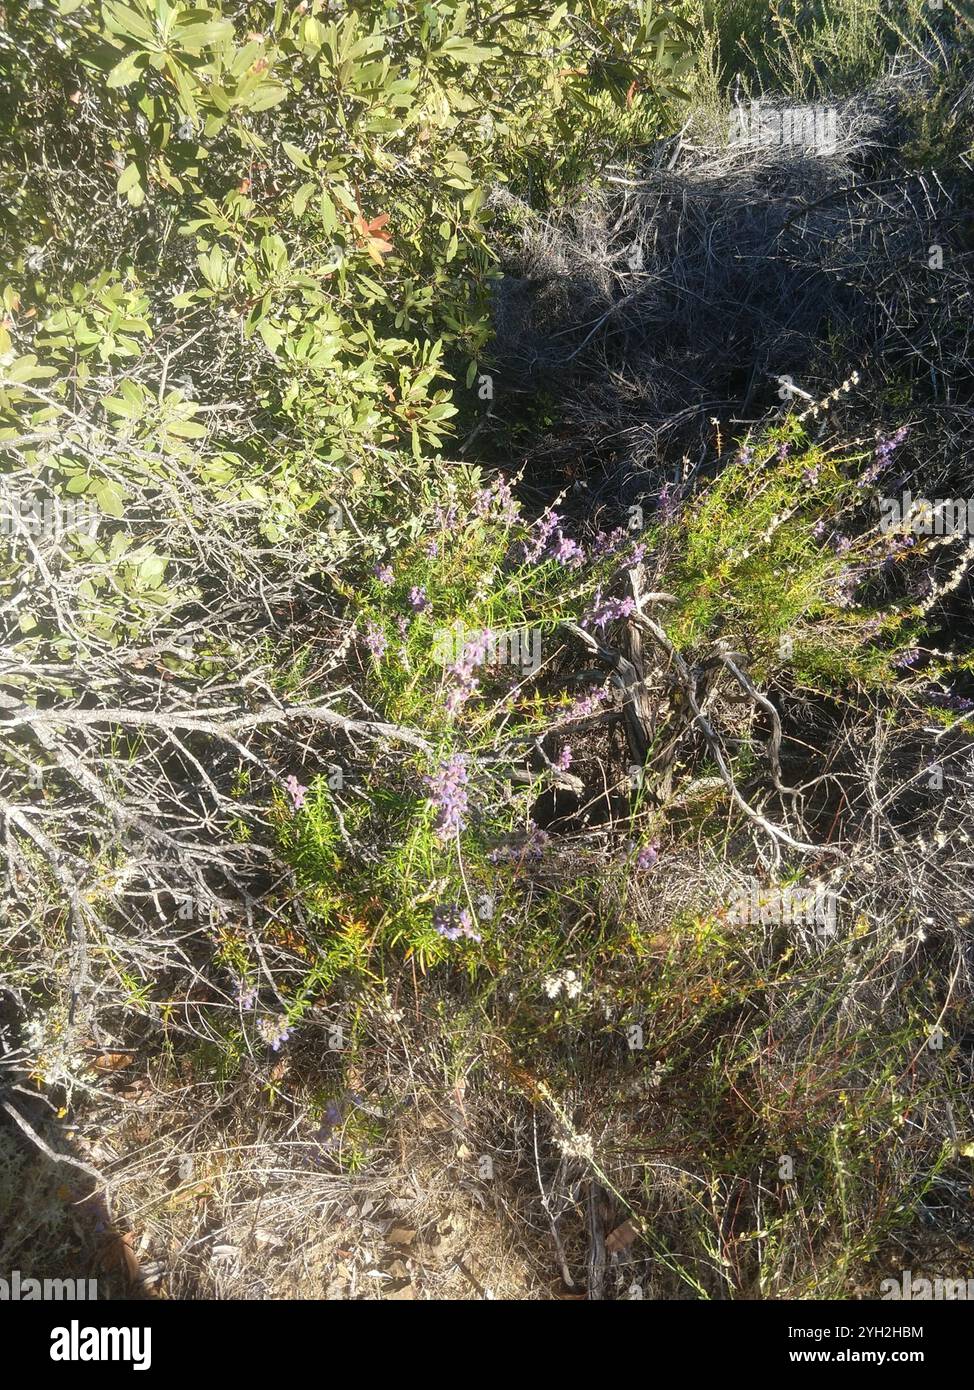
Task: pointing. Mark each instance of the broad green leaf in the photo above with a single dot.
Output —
(128, 178)
(464, 51)
(186, 429)
(108, 495)
(266, 96)
(195, 36)
(273, 337)
(128, 410)
(126, 71)
(127, 23)
(300, 200)
(297, 157)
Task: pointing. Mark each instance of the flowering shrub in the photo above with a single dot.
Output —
(381, 782)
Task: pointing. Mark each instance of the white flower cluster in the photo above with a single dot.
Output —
(573, 1145)
(565, 982)
(826, 401)
(938, 592)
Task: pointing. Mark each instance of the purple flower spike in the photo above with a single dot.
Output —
(376, 641)
(585, 706)
(647, 856)
(884, 454)
(297, 792)
(544, 529)
(246, 996)
(462, 671)
(668, 503)
(609, 611)
(453, 921)
(448, 788)
(567, 552)
(537, 841)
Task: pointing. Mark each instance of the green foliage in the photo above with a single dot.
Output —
(760, 560)
(292, 201)
(812, 49)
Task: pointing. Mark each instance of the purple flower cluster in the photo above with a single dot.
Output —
(496, 498)
(246, 996)
(330, 1121)
(274, 1031)
(885, 446)
(566, 551)
(609, 542)
(384, 575)
(608, 611)
(448, 788)
(418, 601)
(847, 583)
(376, 641)
(296, 791)
(945, 700)
(564, 758)
(668, 503)
(537, 841)
(544, 528)
(908, 658)
(647, 855)
(453, 921)
(462, 671)
(584, 707)
(895, 546)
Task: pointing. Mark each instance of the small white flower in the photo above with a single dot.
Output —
(577, 1146)
(655, 1075)
(565, 982)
